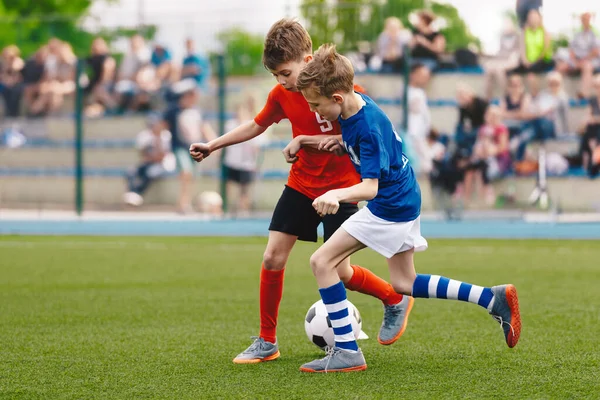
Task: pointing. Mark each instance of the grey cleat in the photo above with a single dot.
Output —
(505, 310)
(395, 320)
(337, 360)
(259, 351)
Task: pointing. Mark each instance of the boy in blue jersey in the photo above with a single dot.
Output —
(389, 224)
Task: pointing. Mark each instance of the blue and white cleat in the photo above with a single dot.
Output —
(259, 351)
(505, 310)
(337, 360)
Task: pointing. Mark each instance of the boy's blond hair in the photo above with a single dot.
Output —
(327, 73)
(286, 41)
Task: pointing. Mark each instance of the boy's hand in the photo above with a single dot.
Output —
(291, 151)
(326, 204)
(199, 151)
(333, 145)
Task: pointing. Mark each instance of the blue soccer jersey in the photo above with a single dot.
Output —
(375, 149)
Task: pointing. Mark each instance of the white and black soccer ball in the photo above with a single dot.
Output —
(318, 326)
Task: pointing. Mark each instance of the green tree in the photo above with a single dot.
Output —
(243, 52)
(456, 32)
(347, 22)
(30, 23)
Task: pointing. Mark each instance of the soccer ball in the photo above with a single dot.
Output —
(318, 326)
(210, 202)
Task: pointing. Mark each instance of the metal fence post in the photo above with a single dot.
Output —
(406, 77)
(79, 138)
(222, 92)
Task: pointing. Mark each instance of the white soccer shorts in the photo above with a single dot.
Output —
(385, 237)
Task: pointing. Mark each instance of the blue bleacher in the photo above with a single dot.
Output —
(113, 172)
(477, 70)
(130, 144)
(433, 103)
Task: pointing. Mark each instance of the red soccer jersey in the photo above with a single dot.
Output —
(315, 172)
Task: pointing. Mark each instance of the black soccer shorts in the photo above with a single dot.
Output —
(295, 215)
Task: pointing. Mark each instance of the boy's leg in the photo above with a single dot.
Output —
(185, 196)
(230, 190)
(186, 171)
(245, 200)
(136, 185)
(345, 356)
(500, 301)
(265, 346)
(359, 279)
(293, 218)
(145, 177)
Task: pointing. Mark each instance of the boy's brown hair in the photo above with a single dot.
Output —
(327, 73)
(286, 41)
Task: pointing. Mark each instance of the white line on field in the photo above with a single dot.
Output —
(115, 245)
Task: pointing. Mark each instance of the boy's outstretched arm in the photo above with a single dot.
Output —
(243, 133)
(314, 141)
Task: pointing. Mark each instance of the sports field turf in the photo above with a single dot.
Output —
(134, 318)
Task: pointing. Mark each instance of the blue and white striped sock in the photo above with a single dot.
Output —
(336, 304)
(439, 287)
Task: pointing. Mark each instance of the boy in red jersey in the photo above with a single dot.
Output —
(288, 48)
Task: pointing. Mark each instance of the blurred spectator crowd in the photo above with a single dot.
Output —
(493, 135)
(491, 140)
(39, 85)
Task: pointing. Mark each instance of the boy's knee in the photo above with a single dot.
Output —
(274, 260)
(318, 263)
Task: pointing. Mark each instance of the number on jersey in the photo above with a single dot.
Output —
(326, 126)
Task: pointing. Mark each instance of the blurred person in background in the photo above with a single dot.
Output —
(446, 177)
(184, 121)
(195, 66)
(594, 169)
(33, 74)
(163, 63)
(61, 82)
(506, 59)
(524, 6)
(136, 77)
(583, 55)
(471, 117)
(391, 43)
(491, 156)
(589, 148)
(427, 43)
(558, 102)
(54, 49)
(156, 160)
(11, 80)
(546, 114)
(536, 46)
(241, 159)
(515, 105)
(101, 78)
(419, 117)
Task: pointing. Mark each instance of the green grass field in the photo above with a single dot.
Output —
(116, 318)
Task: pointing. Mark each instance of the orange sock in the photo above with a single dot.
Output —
(271, 290)
(364, 281)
